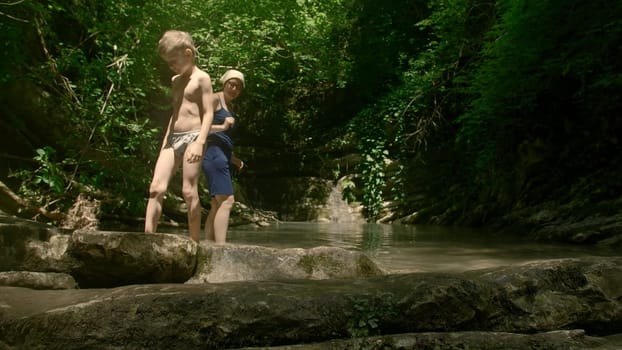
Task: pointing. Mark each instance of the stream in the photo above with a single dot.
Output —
(408, 248)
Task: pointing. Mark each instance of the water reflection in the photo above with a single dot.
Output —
(412, 248)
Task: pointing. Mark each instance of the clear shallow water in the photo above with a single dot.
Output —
(412, 248)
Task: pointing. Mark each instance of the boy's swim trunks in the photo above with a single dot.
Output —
(180, 141)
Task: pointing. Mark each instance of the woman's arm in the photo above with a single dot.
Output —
(229, 122)
(237, 162)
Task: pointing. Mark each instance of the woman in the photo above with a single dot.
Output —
(219, 156)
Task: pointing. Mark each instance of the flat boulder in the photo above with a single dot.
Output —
(228, 263)
(109, 259)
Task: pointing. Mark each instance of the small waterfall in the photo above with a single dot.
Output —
(338, 210)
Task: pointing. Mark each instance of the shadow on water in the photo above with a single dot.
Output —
(402, 248)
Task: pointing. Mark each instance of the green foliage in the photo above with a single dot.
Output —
(418, 110)
(108, 85)
(47, 177)
(370, 131)
(510, 95)
(543, 106)
(348, 190)
(88, 76)
(367, 314)
(382, 127)
(286, 52)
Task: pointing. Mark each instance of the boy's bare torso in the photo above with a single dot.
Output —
(187, 101)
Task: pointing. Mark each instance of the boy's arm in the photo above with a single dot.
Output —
(196, 148)
(167, 132)
(170, 121)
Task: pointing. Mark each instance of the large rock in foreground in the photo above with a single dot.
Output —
(536, 297)
(556, 340)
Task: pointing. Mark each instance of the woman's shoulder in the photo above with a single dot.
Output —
(218, 96)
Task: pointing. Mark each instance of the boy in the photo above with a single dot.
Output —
(186, 133)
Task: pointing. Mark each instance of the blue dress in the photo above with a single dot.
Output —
(216, 161)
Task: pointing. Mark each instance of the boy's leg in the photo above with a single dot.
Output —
(221, 218)
(190, 189)
(164, 168)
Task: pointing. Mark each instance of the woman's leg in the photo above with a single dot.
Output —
(221, 217)
(216, 169)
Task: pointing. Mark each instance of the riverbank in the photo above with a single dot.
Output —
(595, 224)
(552, 223)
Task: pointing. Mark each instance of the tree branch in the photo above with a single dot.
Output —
(13, 204)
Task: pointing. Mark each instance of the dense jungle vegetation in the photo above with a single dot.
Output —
(461, 110)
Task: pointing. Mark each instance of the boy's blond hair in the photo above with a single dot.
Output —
(176, 40)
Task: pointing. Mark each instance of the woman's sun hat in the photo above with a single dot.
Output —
(233, 74)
